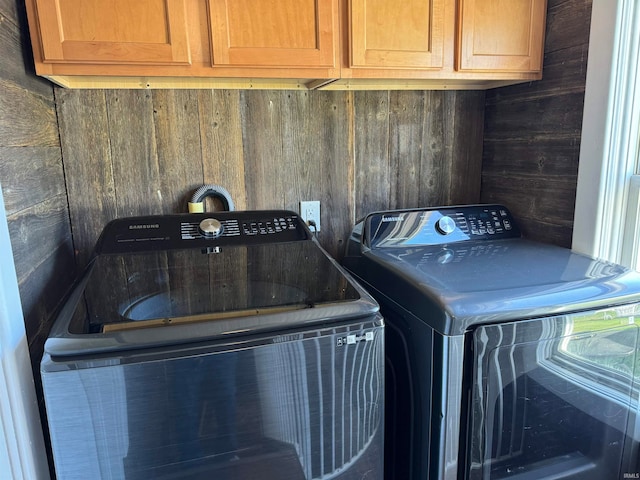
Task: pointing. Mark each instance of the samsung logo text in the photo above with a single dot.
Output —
(144, 226)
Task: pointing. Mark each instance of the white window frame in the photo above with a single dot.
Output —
(22, 451)
(607, 208)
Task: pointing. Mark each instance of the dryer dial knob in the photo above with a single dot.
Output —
(445, 256)
(445, 225)
(210, 228)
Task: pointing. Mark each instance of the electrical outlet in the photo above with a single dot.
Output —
(310, 211)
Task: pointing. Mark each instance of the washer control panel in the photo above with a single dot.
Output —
(437, 226)
(208, 230)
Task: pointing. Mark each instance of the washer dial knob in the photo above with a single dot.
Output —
(445, 225)
(210, 228)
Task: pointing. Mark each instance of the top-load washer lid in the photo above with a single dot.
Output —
(455, 267)
(171, 279)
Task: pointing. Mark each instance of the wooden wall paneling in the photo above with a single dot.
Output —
(134, 155)
(325, 150)
(556, 157)
(177, 135)
(532, 131)
(16, 46)
(41, 286)
(26, 119)
(435, 166)
(292, 143)
(463, 136)
(406, 115)
(423, 150)
(568, 24)
(564, 72)
(262, 134)
(85, 138)
(220, 127)
(33, 173)
(531, 154)
(435, 148)
(33, 186)
(543, 206)
(40, 230)
(548, 117)
(222, 155)
(136, 171)
(370, 144)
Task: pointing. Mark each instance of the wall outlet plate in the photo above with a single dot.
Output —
(310, 211)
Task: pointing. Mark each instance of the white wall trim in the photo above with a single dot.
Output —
(22, 451)
(610, 129)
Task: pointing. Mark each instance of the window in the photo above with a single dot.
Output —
(607, 214)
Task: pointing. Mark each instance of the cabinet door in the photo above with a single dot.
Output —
(392, 34)
(274, 33)
(501, 35)
(113, 31)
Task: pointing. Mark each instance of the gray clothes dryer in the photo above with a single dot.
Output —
(505, 358)
(215, 346)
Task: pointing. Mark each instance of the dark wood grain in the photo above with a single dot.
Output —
(30, 175)
(84, 133)
(220, 127)
(416, 149)
(555, 157)
(134, 155)
(28, 227)
(406, 127)
(144, 153)
(532, 132)
(463, 133)
(177, 135)
(26, 119)
(370, 147)
(565, 72)
(568, 24)
(296, 148)
(325, 149)
(43, 290)
(15, 49)
(33, 187)
(543, 206)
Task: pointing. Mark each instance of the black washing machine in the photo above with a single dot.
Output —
(505, 358)
(215, 346)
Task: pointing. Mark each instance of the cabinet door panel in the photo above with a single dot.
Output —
(279, 33)
(113, 31)
(501, 35)
(387, 33)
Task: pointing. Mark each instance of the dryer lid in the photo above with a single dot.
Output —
(478, 271)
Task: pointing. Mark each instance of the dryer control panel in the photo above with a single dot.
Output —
(439, 226)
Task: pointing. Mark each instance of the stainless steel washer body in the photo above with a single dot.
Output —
(225, 346)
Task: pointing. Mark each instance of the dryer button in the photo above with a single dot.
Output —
(445, 225)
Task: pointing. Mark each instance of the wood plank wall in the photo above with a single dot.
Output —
(532, 131)
(145, 152)
(32, 180)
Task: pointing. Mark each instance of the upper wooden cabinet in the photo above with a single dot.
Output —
(274, 33)
(153, 32)
(407, 34)
(441, 43)
(501, 35)
(293, 44)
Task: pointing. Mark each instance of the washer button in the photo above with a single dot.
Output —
(210, 228)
